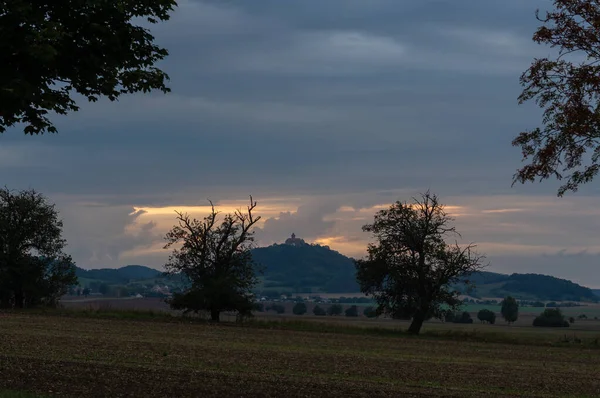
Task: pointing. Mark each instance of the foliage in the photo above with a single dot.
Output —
(487, 316)
(34, 270)
(335, 309)
(370, 312)
(52, 49)
(351, 311)
(464, 317)
(318, 311)
(259, 307)
(551, 317)
(567, 88)
(571, 320)
(217, 261)
(299, 309)
(410, 269)
(509, 309)
(278, 308)
(306, 268)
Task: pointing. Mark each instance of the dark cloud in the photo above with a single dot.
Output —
(340, 102)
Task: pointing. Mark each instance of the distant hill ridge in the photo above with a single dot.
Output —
(299, 267)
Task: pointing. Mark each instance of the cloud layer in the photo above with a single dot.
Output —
(323, 110)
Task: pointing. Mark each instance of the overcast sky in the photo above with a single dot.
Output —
(324, 110)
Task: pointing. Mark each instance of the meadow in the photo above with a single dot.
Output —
(74, 353)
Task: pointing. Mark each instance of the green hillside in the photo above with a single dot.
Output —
(305, 269)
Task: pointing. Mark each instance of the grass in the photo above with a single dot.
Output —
(61, 354)
(18, 394)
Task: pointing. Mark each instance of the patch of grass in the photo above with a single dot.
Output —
(18, 394)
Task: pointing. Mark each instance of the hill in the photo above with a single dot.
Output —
(596, 292)
(305, 268)
(121, 275)
(528, 287)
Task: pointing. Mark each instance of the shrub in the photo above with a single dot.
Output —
(582, 316)
(352, 311)
(319, 311)
(335, 309)
(370, 312)
(449, 316)
(510, 309)
(551, 317)
(278, 308)
(487, 316)
(465, 317)
(299, 309)
(571, 320)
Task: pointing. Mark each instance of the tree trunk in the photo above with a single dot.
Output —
(19, 299)
(215, 315)
(416, 324)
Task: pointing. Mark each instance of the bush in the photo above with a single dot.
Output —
(551, 317)
(582, 316)
(335, 309)
(449, 316)
(278, 308)
(352, 311)
(318, 311)
(259, 307)
(370, 312)
(465, 317)
(571, 320)
(487, 316)
(299, 309)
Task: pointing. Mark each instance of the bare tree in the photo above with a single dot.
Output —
(216, 258)
(410, 268)
(567, 88)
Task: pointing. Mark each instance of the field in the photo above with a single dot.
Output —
(55, 355)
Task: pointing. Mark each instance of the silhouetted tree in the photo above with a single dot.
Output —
(33, 267)
(351, 311)
(410, 269)
(299, 309)
(551, 317)
(52, 49)
(509, 309)
(335, 309)
(566, 87)
(319, 311)
(370, 312)
(217, 260)
(487, 316)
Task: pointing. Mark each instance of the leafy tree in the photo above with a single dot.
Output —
(465, 317)
(410, 269)
(86, 291)
(318, 311)
(335, 309)
(299, 309)
(52, 49)
(566, 88)
(571, 320)
(448, 316)
(217, 261)
(370, 312)
(352, 311)
(103, 288)
(259, 307)
(551, 317)
(34, 269)
(278, 308)
(510, 309)
(486, 315)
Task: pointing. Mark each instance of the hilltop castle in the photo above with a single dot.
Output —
(293, 241)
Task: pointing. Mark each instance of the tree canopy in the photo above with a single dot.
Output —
(51, 49)
(217, 261)
(410, 268)
(34, 269)
(509, 309)
(567, 88)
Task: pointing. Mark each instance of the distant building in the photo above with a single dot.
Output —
(293, 241)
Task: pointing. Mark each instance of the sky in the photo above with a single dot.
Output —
(325, 111)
